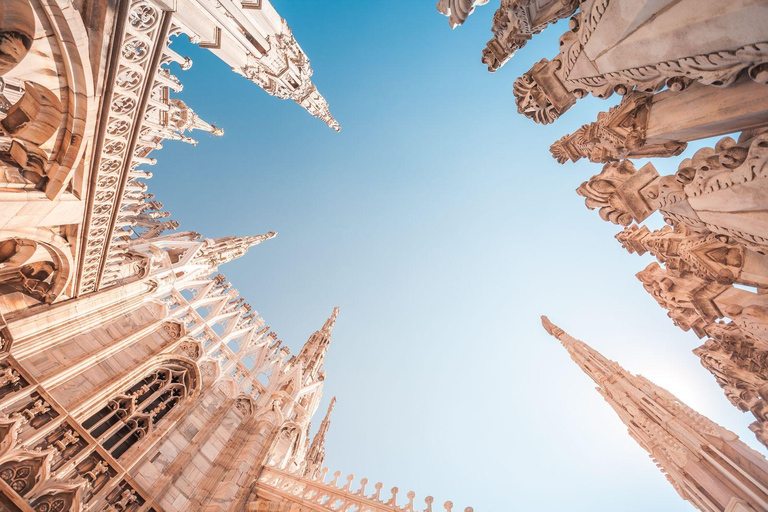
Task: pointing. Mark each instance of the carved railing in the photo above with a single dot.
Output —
(317, 494)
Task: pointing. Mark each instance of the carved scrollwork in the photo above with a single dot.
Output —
(532, 102)
(719, 69)
(600, 192)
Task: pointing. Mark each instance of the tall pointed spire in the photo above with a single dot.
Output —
(182, 119)
(223, 250)
(591, 361)
(316, 452)
(706, 464)
(314, 350)
(328, 326)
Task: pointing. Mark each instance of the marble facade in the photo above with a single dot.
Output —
(133, 376)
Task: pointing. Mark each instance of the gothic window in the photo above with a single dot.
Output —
(130, 416)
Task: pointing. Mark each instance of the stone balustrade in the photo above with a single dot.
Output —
(317, 494)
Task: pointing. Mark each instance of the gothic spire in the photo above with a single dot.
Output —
(182, 119)
(223, 250)
(591, 361)
(314, 350)
(328, 326)
(316, 453)
(706, 464)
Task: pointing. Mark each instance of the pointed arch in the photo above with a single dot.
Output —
(60, 497)
(161, 389)
(24, 470)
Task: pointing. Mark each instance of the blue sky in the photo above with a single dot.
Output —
(440, 224)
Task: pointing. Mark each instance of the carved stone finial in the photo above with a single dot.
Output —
(515, 23)
(600, 192)
(540, 94)
(616, 135)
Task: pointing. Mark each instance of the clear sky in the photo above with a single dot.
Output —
(441, 225)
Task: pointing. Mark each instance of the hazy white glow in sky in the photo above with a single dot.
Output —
(440, 224)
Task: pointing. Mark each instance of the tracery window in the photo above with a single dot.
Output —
(130, 416)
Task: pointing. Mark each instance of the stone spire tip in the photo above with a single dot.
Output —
(551, 328)
(328, 327)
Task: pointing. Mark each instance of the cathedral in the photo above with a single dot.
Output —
(133, 376)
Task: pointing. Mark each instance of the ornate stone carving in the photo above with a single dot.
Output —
(122, 501)
(245, 406)
(190, 350)
(123, 117)
(702, 195)
(539, 94)
(174, 329)
(58, 499)
(616, 135)
(93, 474)
(25, 471)
(516, 21)
(39, 407)
(582, 72)
(600, 192)
(458, 11)
(272, 72)
(741, 370)
(688, 301)
(709, 257)
(719, 69)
